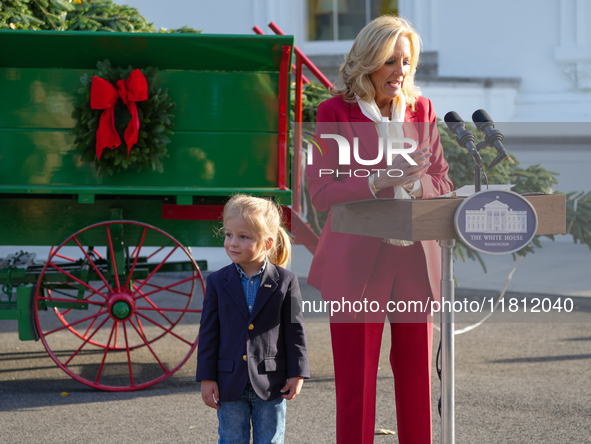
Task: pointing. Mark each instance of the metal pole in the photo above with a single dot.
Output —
(295, 162)
(283, 117)
(447, 342)
(305, 60)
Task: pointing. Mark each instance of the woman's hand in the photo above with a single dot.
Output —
(210, 394)
(410, 173)
(293, 387)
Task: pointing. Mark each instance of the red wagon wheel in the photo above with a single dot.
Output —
(123, 316)
(92, 255)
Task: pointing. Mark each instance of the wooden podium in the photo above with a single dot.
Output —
(433, 219)
(430, 219)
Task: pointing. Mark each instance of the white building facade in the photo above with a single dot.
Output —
(496, 217)
(522, 61)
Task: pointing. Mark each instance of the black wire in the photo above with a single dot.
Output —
(437, 364)
(438, 368)
(485, 177)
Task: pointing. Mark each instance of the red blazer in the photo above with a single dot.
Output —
(343, 262)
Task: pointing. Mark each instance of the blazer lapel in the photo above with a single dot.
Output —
(267, 288)
(355, 114)
(234, 288)
(411, 126)
(410, 115)
(366, 133)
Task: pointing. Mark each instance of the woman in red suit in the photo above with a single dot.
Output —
(378, 89)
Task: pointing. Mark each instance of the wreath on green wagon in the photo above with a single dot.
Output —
(123, 120)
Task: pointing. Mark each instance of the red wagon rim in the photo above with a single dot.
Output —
(122, 303)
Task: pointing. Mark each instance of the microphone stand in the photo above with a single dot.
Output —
(478, 170)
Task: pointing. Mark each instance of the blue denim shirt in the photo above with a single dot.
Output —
(250, 286)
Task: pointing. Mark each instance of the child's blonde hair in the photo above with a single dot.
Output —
(264, 218)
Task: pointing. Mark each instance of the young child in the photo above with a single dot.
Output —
(252, 353)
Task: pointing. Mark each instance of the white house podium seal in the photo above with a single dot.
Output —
(496, 222)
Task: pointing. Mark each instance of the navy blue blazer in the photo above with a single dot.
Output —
(267, 346)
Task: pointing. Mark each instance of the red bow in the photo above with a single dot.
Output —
(103, 95)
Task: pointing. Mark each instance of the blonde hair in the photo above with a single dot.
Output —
(264, 217)
(372, 47)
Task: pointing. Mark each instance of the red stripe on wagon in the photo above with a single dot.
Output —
(192, 212)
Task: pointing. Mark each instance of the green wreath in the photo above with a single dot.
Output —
(155, 123)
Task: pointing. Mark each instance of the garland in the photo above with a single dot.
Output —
(154, 123)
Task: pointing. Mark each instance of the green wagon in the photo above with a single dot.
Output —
(117, 302)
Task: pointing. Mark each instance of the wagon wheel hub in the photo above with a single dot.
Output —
(121, 306)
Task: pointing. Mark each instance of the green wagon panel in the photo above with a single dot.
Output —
(227, 94)
(50, 221)
(34, 160)
(205, 100)
(186, 52)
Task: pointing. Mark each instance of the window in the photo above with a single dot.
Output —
(343, 19)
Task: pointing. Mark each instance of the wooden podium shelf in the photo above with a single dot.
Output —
(428, 219)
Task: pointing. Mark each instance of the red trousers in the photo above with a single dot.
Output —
(399, 274)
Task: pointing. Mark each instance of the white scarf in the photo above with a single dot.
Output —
(387, 127)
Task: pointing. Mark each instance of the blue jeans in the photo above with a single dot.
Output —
(268, 419)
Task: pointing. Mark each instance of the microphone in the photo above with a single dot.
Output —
(464, 137)
(493, 136)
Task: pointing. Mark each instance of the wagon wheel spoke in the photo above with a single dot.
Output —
(72, 324)
(61, 256)
(100, 371)
(164, 328)
(115, 331)
(155, 252)
(91, 262)
(92, 323)
(167, 288)
(147, 343)
(128, 355)
(170, 290)
(85, 299)
(115, 272)
(71, 301)
(61, 292)
(184, 310)
(88, 287)
(97, 253)
(137, 249)
(141, 327)
(149, 301)
(155, 270)
(86, 341)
